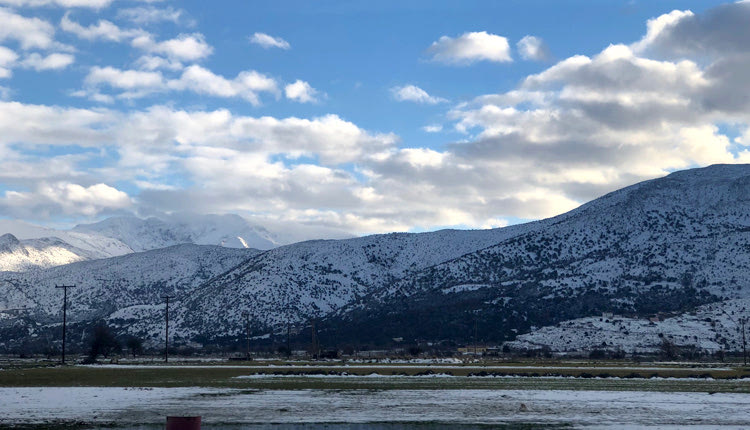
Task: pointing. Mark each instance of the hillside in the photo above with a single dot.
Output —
(669, 245)
(665, 245)
(231, 231)
(109, 288)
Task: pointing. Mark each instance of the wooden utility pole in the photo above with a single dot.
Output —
(476, 339)
(65, 315)
(247, 333)
(288, 340)
(166, 329)
(314, 341)
(744, 343)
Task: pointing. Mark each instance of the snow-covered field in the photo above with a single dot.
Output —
(228, 408)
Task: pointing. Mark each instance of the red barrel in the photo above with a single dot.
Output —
(183, 423)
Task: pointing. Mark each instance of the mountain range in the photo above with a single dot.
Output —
(669, 246)
(42, 247)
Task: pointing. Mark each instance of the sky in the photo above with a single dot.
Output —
(362, 116)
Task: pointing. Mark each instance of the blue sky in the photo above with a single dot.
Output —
(357, 115)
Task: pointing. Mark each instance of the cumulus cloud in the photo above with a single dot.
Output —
(103, 29)
(154, 62)
(719, 31)
(185, 47)
(64, 198)
(7, 59)
(125, 79)
(146, 15)
(412, 93)
(29, 32)
(470, 48)
(580, 128)
(141, 83)
(51, 125)
(533, 48)
(433, 128)
(54, 61)
(266, 41)
(300, 91)
(246, 85)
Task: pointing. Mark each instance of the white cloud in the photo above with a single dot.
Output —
(141, 83)
(94, 4)
(145, 15)
(7, 59)
(300, 91)
(412, 93)
(153, 62)
(658, 25)
(470, 48)
(266, 41)
(29, 32)
(185, 47)
(103, 29)
(582, 127)
(54, 61)
(125, 79)
(433, 128)
(246, 85)
(533, 48)
(65, 198)
(51, 125)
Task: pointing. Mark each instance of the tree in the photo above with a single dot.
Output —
(103, 342)
(135, 345)
(667, 349)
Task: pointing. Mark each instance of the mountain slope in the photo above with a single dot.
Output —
(16, 255)
(668, 244)
(28, 247)
(223, 230)
(294, 283)
(113, 288)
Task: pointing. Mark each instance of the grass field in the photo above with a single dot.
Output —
(374, 396)
(619, 376)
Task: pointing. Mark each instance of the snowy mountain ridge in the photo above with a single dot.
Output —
(669, 245)
(126, 234)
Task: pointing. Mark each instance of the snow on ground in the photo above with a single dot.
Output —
(379, 366)
(711, 328)
(599, 409)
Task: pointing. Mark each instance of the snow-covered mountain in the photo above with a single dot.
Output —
(132, 284)
(667, 245)
(711, 328)
(19, 256)
(231, 231)
(664, 245)
(25, 247)
(46, 247)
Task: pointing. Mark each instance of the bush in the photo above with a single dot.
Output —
(103, 342)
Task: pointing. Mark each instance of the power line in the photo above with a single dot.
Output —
(65, 315)
(166, 329)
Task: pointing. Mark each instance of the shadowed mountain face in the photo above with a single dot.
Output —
(668, 244)
(664, 245)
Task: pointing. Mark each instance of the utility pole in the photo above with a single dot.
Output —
(288, 341)
(476, 339)
(744, 343)
(247, 332)
(314, 341)
(166, 329)
(65, 315)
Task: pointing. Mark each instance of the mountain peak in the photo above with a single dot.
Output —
(8, 242)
